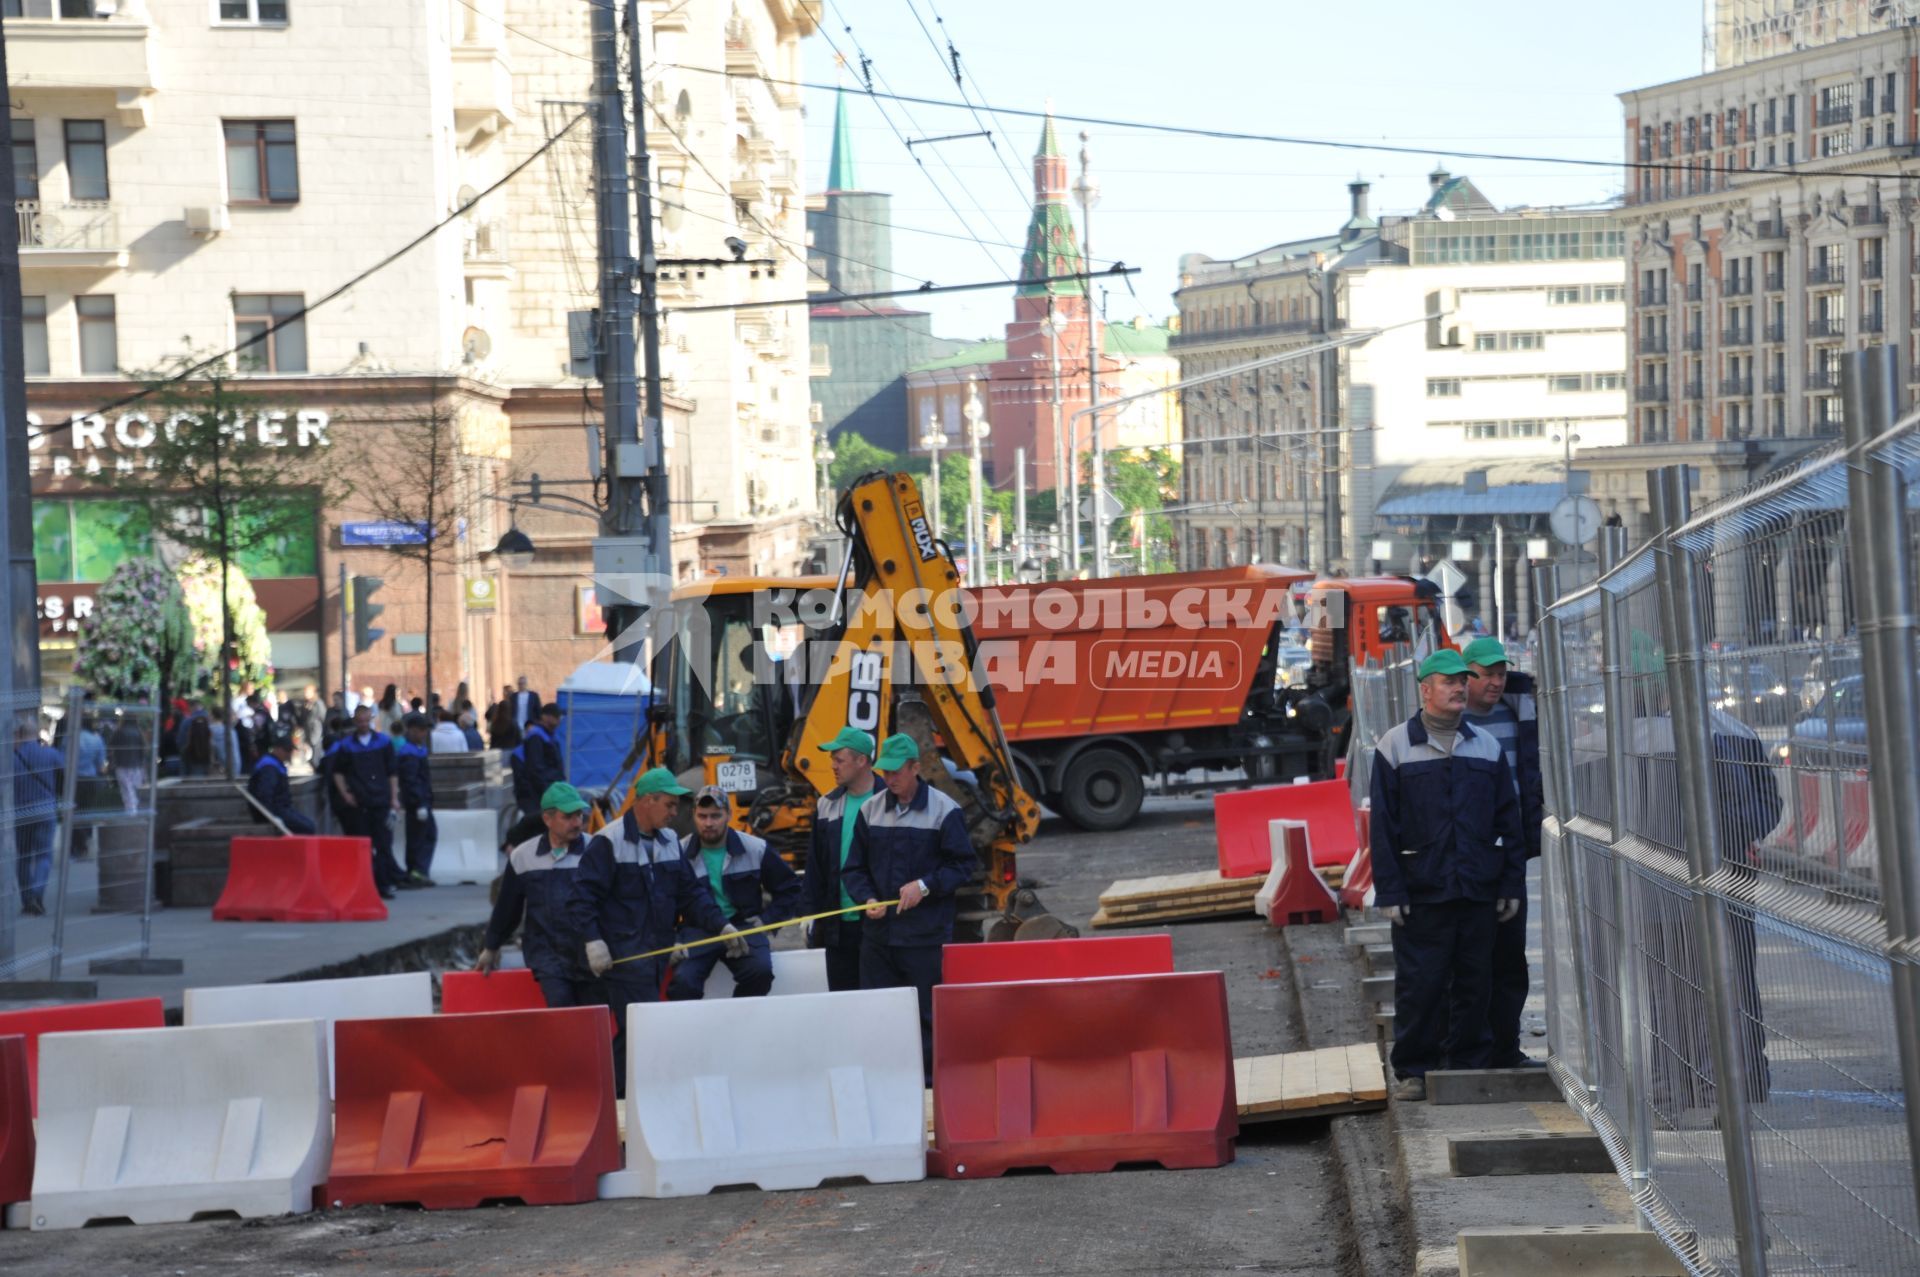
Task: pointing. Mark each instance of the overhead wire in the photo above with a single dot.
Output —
(954, 55)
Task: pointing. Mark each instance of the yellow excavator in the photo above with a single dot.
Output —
(754, 675)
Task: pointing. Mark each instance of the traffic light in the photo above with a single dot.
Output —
(363, 609)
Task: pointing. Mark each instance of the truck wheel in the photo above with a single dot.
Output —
(1102, 790)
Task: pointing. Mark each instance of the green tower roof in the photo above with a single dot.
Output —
(1053, 248)
(840, 170)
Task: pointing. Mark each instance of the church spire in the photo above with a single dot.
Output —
(840, 170)
(1053, 247)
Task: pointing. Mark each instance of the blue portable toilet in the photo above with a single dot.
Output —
(606, 706)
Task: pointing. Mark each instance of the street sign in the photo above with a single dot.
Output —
(1575, 520)
(482, 594)
(385, 532)
(1448, 577)
(1109, 504)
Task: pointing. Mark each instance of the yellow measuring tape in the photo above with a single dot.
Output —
(752, 931)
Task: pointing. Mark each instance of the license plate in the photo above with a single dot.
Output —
(737, 778)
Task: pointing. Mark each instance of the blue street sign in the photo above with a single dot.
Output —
(385, 532)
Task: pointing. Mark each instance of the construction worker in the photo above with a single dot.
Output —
(910, 845)
(752, 886)
(369, 788)
(633, 885)
(414, 764)
(851, 755)
(270, 787)
(1448, 866)
(533, 899)
(1500, 703)
(537, 761)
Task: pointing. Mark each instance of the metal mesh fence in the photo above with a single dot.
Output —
(1723, 885)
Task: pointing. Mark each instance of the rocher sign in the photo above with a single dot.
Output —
(93, 442)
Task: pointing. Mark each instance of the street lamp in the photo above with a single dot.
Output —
(515, 549)
(978, 428)
(823, 456)
(1087, 191)
(933, 439)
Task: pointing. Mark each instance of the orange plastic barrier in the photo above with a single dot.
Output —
(1240, 819)
(16, 1122)
(1056, 959)
(468, 992)
(77, 1017)
(453, 1111)
(1302, 895)
(1082, 1075)
(1356, 888)
(300, 880)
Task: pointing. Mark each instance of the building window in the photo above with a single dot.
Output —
(1563, 296)
(1443, 387)
(1608, 292)
(26, 162)
(253, 12)
(1486, 341)
(262, 164)
(86, 159)
(282, 350)
(1609, 381)
(49, 9)
(33, 335)
(1566, 383)
(99, 346)
(1526, 341)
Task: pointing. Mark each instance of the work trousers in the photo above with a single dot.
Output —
(1442, 985)
(916, 967)
(752, 974)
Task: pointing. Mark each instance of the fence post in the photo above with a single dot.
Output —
(1677, 583)
(63, 839)
(1637, 1115)
(1883, 597)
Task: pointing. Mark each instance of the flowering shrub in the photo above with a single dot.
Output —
(138, 636)
(200, 582)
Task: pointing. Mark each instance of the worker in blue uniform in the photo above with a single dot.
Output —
(271, 788)
(414, 765)
(537, 762)
(1448, 866)
(369, 787)
(535, 892)
(752, 886)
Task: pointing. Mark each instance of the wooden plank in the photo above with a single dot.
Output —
(1301, 1084)
(1118, 909)
(1369, 1075)
(1103, 919)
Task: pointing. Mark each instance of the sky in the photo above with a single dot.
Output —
(1533, 78)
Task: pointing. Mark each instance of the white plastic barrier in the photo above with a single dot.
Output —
(160, 1125)
(1277, 842)
(468, 848)
(777, 1092)
(794, 971)
(374, 997)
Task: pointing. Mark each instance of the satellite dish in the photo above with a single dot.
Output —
(476, 344)
(465, 198)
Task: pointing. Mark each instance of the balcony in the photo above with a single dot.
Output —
(1827, 274)
(1827, 326)
(1653, 297)
(750, 183)
(743, 57)
(1650, 344)
(1823, 379)
(1736, 286)
(1874, 269)
(80, 236)
(1739, 387)
(819, 360)
(1873, 323)
(1776, 383)
(1694, 341)
(484, 251)
(1736, 336)
(95, 64)
(1828, 116)
(1774, 333)
(1776, 281)
(783, 175)
(1695, 292)
(1653, 392)
(1770, 229)
(1694, 389)
(482, 91)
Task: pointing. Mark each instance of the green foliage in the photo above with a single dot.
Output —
(139, 636)
(252, 659)
(854, 456)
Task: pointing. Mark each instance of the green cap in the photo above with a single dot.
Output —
(894, 750)
(1444, 661)
(1485, 651)
(851, 738)
(657, 780)
(561, 796)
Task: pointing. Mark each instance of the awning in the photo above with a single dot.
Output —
(1426, 489)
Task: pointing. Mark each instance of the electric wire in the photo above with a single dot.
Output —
(954, 55)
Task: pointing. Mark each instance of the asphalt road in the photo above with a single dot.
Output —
(1278, 1208)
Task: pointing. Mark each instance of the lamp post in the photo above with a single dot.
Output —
(1087, 191)
(978, 428)
(933, 439)
(1062, 479)
(823, 456)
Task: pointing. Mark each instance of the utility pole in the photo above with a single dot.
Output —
(1088, 192)
(654, 437)
(1061, 509)
(932, 439)
(977, 429)
(19, 626)
(1019, 507)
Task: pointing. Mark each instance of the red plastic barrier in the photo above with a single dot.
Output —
(467, 992)
(1302, 896)
(77, 1017)
(1056, 959)
(1082, 1075)
(1801, 818)
(300, 880)
(452, 1111)
(1240, 819)
(16, 1122)
(1356, 889)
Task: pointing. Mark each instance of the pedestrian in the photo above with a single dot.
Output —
(369, 788)
(526, 704)
(223, 744)
(414, 770)
(1500, 704)
(911, 845)
(503, 733)
(1448, 866)
(271, 789)
(127, 748)
(447, 737)
(469, 731)
(535, 892)
(753, 888)
(850, 754)
(196, 755)
(90, 758)
(631, 888)
(536, 762)
(38, 778)
(389, 712)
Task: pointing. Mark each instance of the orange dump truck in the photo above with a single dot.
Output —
(1186, 680)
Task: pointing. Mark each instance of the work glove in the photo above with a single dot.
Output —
(1397, 914)
(753, 923)
(599, 957)
(488, 962)
(1506, 910)
(736, 943)
(679, 955)
(420, 814)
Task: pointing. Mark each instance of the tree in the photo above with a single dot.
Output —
(139, 636)
(853, 456)
(217, 467)
(1144, 480)
(249, 654)
(435, 491)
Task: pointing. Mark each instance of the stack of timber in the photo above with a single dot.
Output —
(1334, 1079)
(1133, 902)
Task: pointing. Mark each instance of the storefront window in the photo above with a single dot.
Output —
(105, 533)
(287, 551)
(84, 540)
(52, 541)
